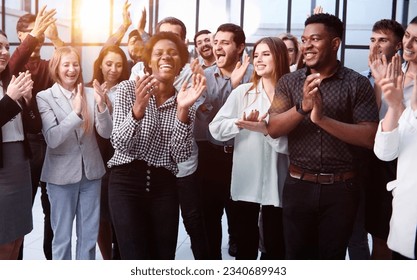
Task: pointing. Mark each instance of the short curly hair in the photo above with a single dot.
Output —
(332, 23)
(182, 48)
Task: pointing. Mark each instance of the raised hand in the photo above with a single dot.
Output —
(239, 71)
(145, 86)
(20, 86)
(318, 10)
(196, 67)
(142, 21)
(43, 20)
(52, 34)
(100, 95)
(187, 96)
(392, 86)
(127, 21)
(377, 63)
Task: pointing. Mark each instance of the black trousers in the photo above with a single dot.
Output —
(38, 148)
(214, 175)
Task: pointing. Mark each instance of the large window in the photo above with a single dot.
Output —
(88, 23)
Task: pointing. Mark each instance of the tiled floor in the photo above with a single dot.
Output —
(33, 241)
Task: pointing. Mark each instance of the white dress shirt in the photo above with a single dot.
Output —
(260, 163)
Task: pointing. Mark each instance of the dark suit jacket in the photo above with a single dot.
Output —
(31, 123)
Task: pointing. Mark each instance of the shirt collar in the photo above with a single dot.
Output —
(68, 94)
(338, 74)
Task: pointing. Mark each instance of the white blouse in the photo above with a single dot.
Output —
(401, 143)
(260, 163)
(13, 130)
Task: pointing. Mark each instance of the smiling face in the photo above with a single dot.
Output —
(204, 46)
(68, 70)
(134, 46)
(4, 52)
(112, 67)
(410, 43)
(165, 60)
(386, 43)
(263, 61)
(318, 48)
(225, 50)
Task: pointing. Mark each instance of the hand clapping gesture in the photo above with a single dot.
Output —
(100, 95)
(310, 89)
(145, 87)
(253, 122)
(20, 86)
(377, 63)
(127, 21)
(77, 101)
(239, 71)
(187, 96)
(43, 20)
(392, 86)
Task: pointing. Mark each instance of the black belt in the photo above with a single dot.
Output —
(35, 137)
(319, 178)
(227, 149)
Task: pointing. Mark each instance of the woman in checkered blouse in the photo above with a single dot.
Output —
(152, 133)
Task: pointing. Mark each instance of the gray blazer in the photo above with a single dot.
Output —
(69, 148)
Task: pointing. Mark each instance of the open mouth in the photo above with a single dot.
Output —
(165, 67)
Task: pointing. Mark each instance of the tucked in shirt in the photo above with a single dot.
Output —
(347, 97)
(260, 163)
(159, 138)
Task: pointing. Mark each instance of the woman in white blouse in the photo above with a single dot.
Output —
(16, 118)
(397, 138)
(259, 162)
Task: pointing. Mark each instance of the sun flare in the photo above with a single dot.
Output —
(94, 17)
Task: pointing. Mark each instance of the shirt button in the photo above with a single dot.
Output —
(147, 189)
(148, 171)
(148, 184)
(148, 177)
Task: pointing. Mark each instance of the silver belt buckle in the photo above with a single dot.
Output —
(330, 175)
(228, 149)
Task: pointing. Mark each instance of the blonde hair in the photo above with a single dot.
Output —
(54, 64)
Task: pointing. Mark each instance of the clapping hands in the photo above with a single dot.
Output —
(20, 87)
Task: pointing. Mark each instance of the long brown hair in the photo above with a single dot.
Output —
(53, 72)
(5, 75)
(279, 54)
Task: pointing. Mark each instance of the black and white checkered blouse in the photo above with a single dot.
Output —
(159, 138)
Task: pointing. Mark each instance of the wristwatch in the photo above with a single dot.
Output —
(299, 108)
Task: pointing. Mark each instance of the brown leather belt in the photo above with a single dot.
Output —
(319, 178)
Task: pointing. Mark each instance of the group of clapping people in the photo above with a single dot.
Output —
(283, 144)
